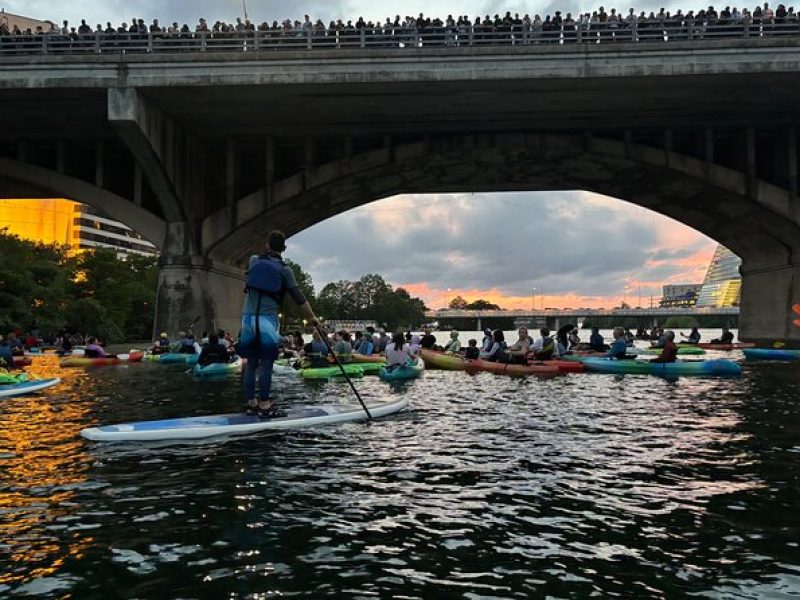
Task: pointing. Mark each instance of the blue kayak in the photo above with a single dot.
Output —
(771, 354)
(217, 369)
(178, 358)
(27, 387)
(403, 372)
(708, 368)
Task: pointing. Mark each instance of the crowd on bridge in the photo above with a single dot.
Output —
(596, 26)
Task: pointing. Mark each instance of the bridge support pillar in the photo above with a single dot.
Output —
(196, 290)
(766, 314)
(480, 324)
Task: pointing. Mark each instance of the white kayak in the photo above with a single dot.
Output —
(191, 428)
(27, 387)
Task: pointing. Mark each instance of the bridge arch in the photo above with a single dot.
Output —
(752, 217)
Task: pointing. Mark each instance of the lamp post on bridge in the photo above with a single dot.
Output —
(533, 298)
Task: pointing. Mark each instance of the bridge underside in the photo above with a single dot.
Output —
(155, 142)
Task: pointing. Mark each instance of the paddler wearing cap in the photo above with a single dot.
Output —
(267, 281)
(161, 345)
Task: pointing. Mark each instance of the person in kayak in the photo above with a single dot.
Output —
(725, 338)
(315, 352)
(619, 346)
(94, 349)
(487, 341)
(363, 344)
(16, 346)
(454, 345)
(471, 352)
(596, 341)
(693, 337)
(398, 352)
(669, 352)
(428, 341)
(544, 346)
(519, 350)
(497, 351)
(382, 341)
(214, 352)
(342, 347)
(161, 345)
(267, 281)
(6, 357)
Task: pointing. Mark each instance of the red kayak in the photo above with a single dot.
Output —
(726, 347)
(23, 361)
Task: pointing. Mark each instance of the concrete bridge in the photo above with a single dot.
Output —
(557, 317)
(203, 153)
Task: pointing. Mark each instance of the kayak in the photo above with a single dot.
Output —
(477, 366)
(682, 350)
(452, 362)
(12, 378)
(440, 360)
(718, 367)
(27, 387)
(330, 372)
(82, 361)
(23, 361)
(239, 423)
(402, 372)
(174, 358)
(355, 357)
(771, 354)
(726, 347)
(217, 369)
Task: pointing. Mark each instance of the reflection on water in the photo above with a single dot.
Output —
(488, 487)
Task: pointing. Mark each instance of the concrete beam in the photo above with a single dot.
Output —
(768, 294)
(140, 126)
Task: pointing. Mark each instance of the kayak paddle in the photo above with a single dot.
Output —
(341, 368)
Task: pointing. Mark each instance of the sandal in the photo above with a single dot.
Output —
(270, 412)
(251, 410)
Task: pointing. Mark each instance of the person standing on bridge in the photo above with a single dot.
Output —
(267, 281)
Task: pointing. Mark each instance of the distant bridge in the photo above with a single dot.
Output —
(556, 317)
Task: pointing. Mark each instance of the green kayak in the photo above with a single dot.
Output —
(352, 370)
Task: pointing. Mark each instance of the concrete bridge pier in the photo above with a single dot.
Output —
(768, 294)
(193, 290)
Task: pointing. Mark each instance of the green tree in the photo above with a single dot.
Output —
(289, 309)
(458, 303)
(33, 280)
(483, 305)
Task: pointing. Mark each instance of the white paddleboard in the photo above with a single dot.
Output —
(27, 387)
(191, 428)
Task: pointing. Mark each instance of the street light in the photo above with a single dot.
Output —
(533, 298)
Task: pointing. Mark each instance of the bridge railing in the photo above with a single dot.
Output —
(389, 38)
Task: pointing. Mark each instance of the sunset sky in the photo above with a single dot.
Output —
(577, 249)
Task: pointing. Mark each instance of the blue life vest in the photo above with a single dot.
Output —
(265, 277)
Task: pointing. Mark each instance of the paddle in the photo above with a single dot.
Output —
(341, 368)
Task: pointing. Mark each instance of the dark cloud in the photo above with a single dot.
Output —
(561, 242)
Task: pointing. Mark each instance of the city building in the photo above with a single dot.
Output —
(23, 23)
(81, 227)
(722, 285)
(682, 295)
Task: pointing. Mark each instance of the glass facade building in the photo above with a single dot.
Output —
(722, 285)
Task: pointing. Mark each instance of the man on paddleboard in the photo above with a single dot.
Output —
(267, 281)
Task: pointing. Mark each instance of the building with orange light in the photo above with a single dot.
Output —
(68, 223)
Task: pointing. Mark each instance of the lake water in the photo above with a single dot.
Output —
(486, 487)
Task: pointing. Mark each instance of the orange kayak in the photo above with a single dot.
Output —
(355, 357)
(452, 362)
(82, 361)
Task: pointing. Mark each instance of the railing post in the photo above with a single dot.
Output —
(363, 38)
(471, 35)
(308, 39)
(579, 32)
(203, 41)
(256, 40)
(149, 43)
(44, 43)
(97, 44)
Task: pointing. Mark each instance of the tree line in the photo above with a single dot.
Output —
(46, 288)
